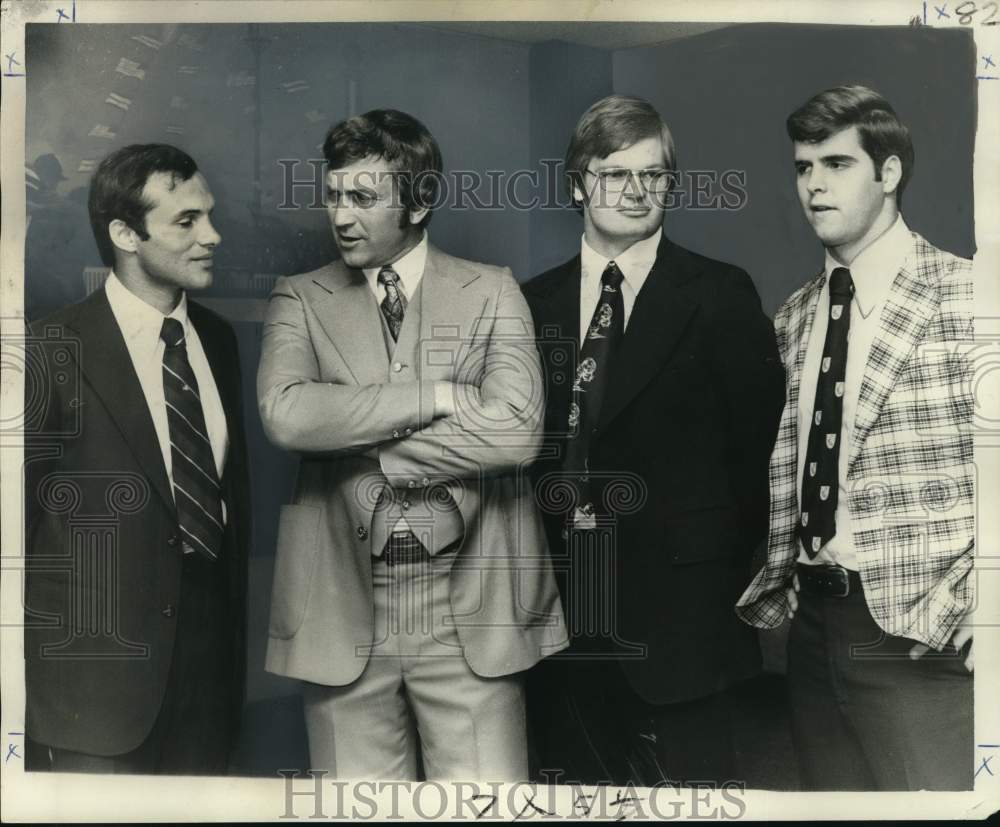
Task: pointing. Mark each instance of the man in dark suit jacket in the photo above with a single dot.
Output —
(137, 494)
(664, 390)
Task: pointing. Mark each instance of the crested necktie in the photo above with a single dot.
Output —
(197, 491)
(820, 488)
(607, 326)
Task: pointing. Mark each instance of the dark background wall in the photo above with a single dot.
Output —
(726, 95)
(244, 98)
(566, 78)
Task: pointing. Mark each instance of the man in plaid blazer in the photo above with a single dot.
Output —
(871, 537)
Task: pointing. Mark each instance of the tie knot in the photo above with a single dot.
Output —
(612, 277)
(841, 283)
(172, 332)
(387, 275)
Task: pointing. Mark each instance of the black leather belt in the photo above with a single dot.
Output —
(405, 548)
(828, 581)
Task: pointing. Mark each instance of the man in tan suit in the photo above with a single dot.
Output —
(412, 584)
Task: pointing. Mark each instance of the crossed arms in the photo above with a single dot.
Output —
(487, 418)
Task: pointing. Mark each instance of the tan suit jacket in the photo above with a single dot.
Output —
(362, 421)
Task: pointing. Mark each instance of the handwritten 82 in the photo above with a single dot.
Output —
(965, 13)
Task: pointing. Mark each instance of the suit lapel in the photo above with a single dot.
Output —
(556, 312)
(911, 303)
(559, 313)
(349, 316)
(107, 366)
(797, 330)
(225, 367)
(800, 325)
(222, 364)
(450, 308)
(219, 360)
(659, 317)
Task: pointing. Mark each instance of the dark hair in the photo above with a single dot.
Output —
(117, 185)
(401, 141)
(882, 133)
(614, 123)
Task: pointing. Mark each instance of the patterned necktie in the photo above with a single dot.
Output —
(196, 483)
(607, 326)
(820, 490)
(394, 304)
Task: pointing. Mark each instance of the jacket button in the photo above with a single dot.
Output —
(362, 533)
(172, 540)
(425, 481)
(168, 611)
(397, 367)
(395, 434)
(408, 431)
(411, 484)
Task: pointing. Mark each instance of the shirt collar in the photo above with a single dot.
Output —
(410, 269)
(137, 319)
(634, 262)
(874, 268)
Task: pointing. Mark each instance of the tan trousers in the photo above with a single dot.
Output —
(417, 693)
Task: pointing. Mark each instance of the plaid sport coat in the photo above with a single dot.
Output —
(910, 462)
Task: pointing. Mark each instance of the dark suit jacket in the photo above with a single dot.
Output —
(101, 623)
(688, 421)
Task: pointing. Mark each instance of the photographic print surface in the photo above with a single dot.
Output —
(351, 513)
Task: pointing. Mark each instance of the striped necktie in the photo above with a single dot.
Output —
(394, 304)
(196, 484)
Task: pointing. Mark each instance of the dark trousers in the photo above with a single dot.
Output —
(191, 734)
(867, 717)
(588, 726)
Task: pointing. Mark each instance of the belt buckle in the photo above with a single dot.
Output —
(839, 577)
(403, 548)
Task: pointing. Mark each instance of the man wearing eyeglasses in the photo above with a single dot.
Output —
(664, 389)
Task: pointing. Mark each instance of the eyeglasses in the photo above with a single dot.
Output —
(615, 180)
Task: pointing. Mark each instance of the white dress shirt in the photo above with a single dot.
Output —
(410, 269)
(872, 271)
(634, 263)
(140, 324)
